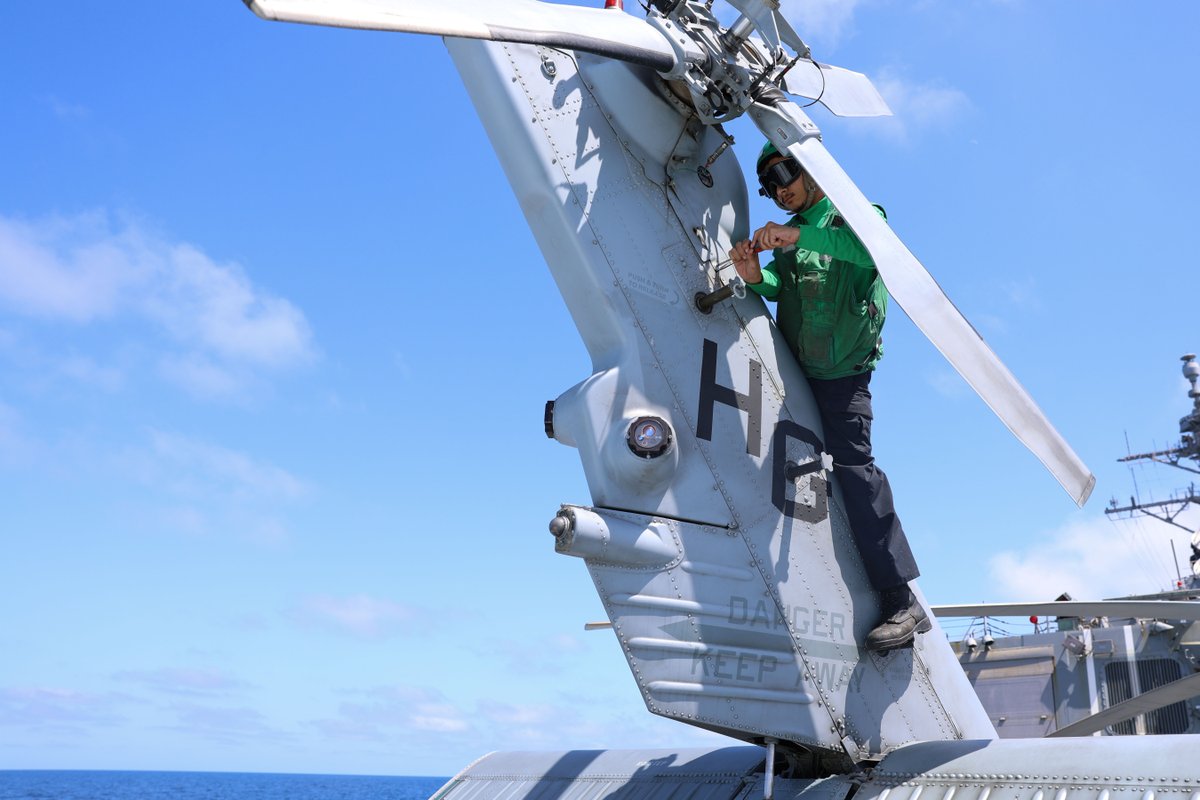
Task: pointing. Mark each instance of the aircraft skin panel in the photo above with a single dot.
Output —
(694, 657)
(589, 234)
(703, 636)
(698, 774)
(738, 595)
(1120, 768)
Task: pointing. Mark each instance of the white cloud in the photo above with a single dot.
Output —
(1024, 293)
(267, 531)
(8, 423)
(15, 445)
(411, 717)
(948, 384)
(206, 489)
(186, 519)
(220, 328)
(399, 708)
(359, 615)
(74, 270)
(201, 376)
(217, 306)
(37, 706)
(221, 469)
(916, 107)
(438, 724)
(1090, 559)
(225, 724)
(992, 324)
(184, 680)
(823, 21)
(393, 711)
(89, 372)
(556, 652)
(508, 714)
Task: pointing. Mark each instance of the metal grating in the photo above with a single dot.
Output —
(1151, 673)
(1156, 672)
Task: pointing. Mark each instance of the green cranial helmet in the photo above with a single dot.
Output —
(781, 173)
(769, 150)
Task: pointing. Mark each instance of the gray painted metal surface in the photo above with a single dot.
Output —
(731, 773)
(720, 774)
(734, 616)
(1137, 768)
(1145, 768)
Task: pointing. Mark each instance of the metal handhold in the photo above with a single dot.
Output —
(823, 461)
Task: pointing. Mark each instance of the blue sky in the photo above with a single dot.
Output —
(275, 342)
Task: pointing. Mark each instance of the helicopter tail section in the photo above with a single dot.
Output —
(715, 639)
(716, 536)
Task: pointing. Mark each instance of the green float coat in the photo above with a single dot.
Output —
(832, 302)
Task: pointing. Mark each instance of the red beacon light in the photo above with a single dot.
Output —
(617, 4)
(1033, 618)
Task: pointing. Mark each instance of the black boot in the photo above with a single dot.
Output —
(903, 619)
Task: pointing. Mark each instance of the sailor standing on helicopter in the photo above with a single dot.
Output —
(831, 308)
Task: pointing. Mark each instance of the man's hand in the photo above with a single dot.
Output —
(773, 235)
(745, 261)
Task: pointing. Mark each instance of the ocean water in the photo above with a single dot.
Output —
(84, 785)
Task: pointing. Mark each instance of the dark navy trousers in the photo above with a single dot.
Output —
(845, 406)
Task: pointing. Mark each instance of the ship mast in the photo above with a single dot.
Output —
(1188, 449)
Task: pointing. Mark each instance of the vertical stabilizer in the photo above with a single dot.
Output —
(734, 588)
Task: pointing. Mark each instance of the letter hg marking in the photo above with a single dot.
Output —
(819, 510)
(712, 393)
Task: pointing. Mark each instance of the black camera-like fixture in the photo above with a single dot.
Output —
(649, 437)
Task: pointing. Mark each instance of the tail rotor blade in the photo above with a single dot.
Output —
(844, 92)
(606, 32)
(924, 301)
(1142, 609)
